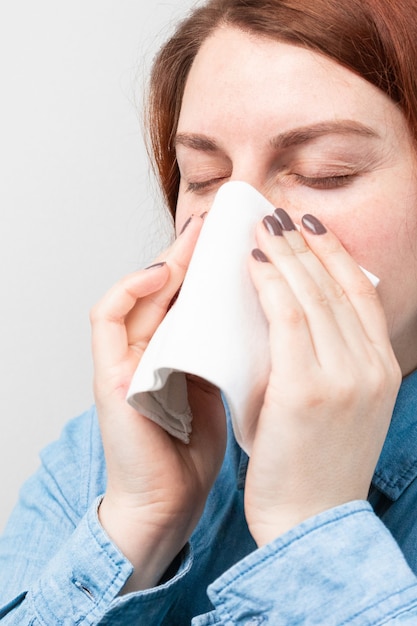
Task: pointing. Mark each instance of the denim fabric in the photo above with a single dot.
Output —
(351, 565)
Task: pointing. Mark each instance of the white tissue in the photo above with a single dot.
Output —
(216, 328)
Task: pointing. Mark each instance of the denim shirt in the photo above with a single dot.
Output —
(354, 564)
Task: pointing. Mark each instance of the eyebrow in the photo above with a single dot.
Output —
(196, 142)
(287, 139)
(305, 134)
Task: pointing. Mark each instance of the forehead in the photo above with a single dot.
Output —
(241, 78)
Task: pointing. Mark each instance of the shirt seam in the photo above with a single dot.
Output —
(400, 481)
(295, 540)
(88, 482)
(282, 548)
(117, 574)
(387, 616)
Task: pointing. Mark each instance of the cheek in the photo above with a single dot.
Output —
(383, 239)
(380, 234)
(376, 223)
(366, 241)
(382, 247)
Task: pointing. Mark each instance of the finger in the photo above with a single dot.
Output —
(346, 323)
(108, 331)
(149, 311)
(346, 272)
(321, 300)
(289, 330)
(131, 311)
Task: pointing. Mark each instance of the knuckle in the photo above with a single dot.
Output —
(396, 373)
(328, 292)
(292, 315)
(299, 247)
(316, 395)
(314, 399)
(336, 292)
(101, 312)
(386, 378)
(280, 305)
(318, 297)
(95, 313)
(365, 289)
(347, 390)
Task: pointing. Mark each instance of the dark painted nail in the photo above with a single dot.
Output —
(272, 225)
(174, 299)
(259, 255)
(186, 224)
(284, 219)
(313, 225)
(155, 265)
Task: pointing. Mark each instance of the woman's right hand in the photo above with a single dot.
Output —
(156, 485)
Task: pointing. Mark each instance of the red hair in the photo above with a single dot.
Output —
(376, 39)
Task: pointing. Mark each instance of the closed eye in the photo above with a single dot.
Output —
(204, 185)
(326, 182)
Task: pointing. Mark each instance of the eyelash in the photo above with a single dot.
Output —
(324, 182)
(205, 184)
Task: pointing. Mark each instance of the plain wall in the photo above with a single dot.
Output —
(78, 206)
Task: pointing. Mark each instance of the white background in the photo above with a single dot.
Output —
(78, 206)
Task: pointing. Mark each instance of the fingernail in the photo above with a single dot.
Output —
(259, 255)
(155, 265)
(284, 219)
(186, 224)
(313, 225)
(272, 225)
(174, 299)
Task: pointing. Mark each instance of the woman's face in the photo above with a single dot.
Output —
(313, 137)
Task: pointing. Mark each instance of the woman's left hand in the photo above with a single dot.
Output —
(333, 383)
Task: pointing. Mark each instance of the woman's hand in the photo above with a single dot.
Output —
(157, 486)
(333, 383)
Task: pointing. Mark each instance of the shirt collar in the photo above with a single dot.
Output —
(397, 465)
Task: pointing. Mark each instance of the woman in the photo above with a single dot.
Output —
(314, 103)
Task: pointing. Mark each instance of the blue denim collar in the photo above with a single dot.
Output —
(397, 465)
